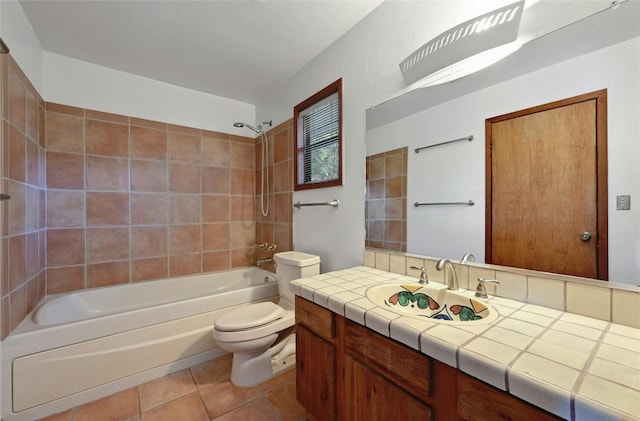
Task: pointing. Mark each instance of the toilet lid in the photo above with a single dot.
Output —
(249, 317)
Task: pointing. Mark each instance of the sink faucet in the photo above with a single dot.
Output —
(468, 257)
(450, 277)
(423, 274)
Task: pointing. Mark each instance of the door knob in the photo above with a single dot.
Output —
(585, 236)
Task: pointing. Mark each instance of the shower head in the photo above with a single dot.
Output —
(255, 129)
(248, 126)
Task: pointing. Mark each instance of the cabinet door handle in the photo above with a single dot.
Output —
(585, 236)
(4, 196)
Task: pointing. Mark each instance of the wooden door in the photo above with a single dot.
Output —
(546, 188)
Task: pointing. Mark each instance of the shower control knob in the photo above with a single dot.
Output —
(585, 236)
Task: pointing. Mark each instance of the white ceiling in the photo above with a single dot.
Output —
(234, 49)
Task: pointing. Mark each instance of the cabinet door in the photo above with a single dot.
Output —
(315, 374)
(370, 396)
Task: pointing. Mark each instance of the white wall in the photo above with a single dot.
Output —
(367, 59)
(80, 84)
(17, 33)
(456, 172)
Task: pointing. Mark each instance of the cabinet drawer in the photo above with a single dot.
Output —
(317, 319)
(406, 367)
(478, 401)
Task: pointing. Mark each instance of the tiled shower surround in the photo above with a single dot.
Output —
(23, 216)
(102, 199)
(386, 201)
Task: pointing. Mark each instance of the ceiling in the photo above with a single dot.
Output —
(235, 49)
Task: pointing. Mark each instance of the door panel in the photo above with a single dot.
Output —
(544, 190)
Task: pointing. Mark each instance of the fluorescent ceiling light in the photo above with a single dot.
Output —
(465, 48)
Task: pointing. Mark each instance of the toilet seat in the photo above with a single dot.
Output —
(249, 317)
(270, 319)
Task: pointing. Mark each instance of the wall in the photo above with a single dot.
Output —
(131, 200)
(22, 229)
(366, 58)
(456, 230)
(277, 227)
(17, 33)
(80, 84)
(386, 200)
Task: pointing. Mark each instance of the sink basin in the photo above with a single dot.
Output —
(434, 303)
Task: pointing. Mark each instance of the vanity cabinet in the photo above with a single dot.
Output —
(348, 372)
(316, 369)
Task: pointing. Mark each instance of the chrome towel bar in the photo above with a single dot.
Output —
(469, 138)
(335, 203)
(469, 203)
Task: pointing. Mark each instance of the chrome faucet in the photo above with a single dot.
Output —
(450, 277)
(468, 257)
(261, 262)
(423, 274)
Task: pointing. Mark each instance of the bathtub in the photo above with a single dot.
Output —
(80, 346)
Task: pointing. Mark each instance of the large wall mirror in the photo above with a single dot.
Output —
(601, 52)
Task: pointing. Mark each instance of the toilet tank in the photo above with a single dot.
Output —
(294, 265)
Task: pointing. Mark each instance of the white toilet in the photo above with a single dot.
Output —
(261, 336)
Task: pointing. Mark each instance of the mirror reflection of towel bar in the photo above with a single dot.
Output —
(335, 203)
(469, 138)
(469, 203)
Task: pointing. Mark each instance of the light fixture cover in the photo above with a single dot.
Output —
(474, 36)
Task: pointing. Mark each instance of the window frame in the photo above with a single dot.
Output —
(333, 88)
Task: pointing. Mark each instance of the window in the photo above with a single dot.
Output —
(318, 141)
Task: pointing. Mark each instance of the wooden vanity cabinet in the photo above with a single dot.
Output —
(384, 380)
(316, 360)
(478, 401)
(345, 371)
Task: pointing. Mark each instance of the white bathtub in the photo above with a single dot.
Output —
(80, 346)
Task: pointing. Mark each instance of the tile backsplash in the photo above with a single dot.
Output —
(597, 299)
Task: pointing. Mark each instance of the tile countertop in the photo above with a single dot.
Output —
(573, 366)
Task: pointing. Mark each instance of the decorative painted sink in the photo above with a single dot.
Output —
(434, 303)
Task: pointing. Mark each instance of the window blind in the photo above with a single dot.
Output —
(318, 137)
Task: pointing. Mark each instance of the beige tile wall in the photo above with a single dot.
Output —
(276, 227)
(22, 230)
(101, 199)
(130, 200)
(596, 299)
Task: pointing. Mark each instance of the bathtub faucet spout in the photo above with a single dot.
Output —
(261, 262)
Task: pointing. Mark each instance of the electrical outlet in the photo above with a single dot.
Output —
(623, 202)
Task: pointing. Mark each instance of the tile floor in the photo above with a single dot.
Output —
(201, 393)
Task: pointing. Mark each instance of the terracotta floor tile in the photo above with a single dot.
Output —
(284, 401)
(212, 372)
(60, 416)
(188, 408)
(165, 389)
(278, 381)
(117, 407)
(258, 410)
(222, 397)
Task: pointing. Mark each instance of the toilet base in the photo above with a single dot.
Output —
(253, 369)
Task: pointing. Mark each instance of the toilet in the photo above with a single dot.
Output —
(261, 336)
